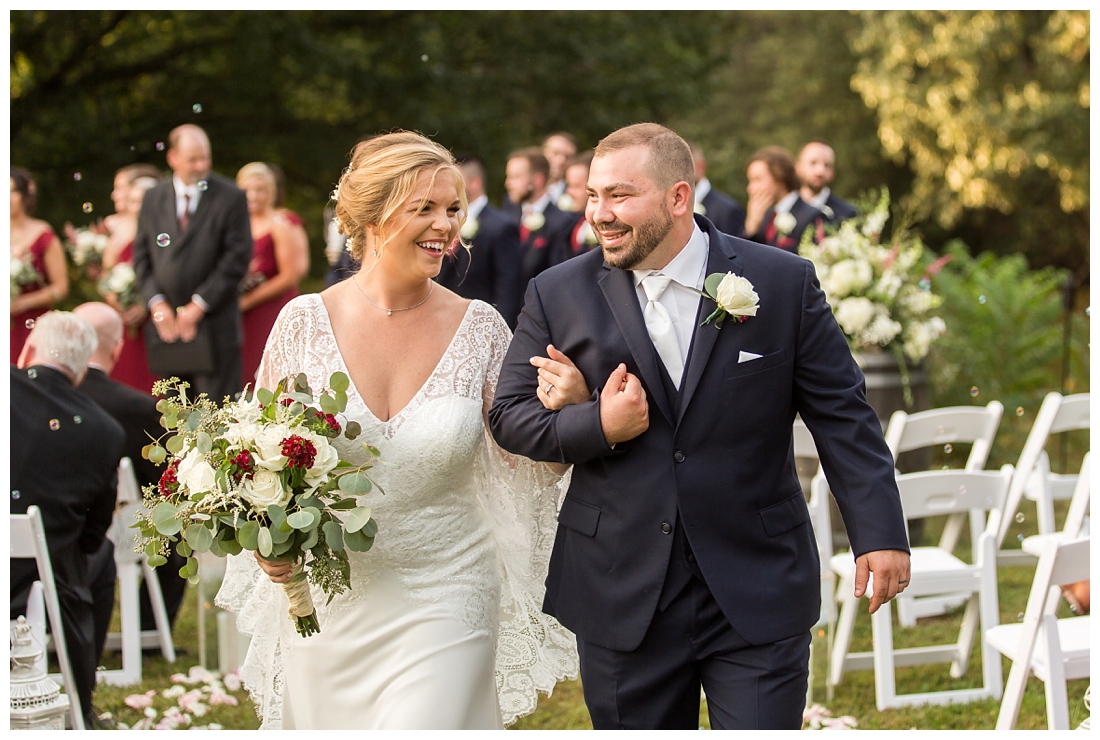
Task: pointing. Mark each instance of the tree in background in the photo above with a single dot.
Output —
(990, 110)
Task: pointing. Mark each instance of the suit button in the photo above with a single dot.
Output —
(678, 457)
(691, 557)
(666, 527)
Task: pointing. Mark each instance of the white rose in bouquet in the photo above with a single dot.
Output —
(195, 474)
(324, 463)
(269, 447)
(121, 278)
(265, 488)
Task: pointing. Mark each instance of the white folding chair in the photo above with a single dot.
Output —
(1054, 650)
(933, 572)
(28, 540)
(1033, 479)
(935, 428)
(132, 567)
(1077, 519)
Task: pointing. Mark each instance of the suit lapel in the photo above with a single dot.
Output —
(722, 259)
(167, 208)
(618, 289)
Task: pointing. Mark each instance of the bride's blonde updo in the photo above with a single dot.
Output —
(380, 178)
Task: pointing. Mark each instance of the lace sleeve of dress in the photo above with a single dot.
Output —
(257, 602)
(521, 497)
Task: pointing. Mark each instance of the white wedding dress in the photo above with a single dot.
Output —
(443, 626)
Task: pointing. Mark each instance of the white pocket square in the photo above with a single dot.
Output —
(747, 357)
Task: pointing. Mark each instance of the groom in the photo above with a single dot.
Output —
(684, 552)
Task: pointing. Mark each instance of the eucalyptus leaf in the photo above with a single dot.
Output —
(311, 540)
(370, 529)
(157, 455)
(278, 534)
(357, 519)
(184, 549)
(193, 420)
(216, 549)
(231, 547)
(303, 519)
(338, 381)
(341, 400)
(357, 541)
(303, 398)
(204, 443)
(333, 536)
(263, 542)
(328, 404)
(282, 548)
(247, 535)
(155, 560)
(164, 518)
(174, 444)
(153, 548)
(264, 395)
(352, 429)
(301, 383)
(355, 484)
(712, 282)
(199, 537)
(344, 504)
(307, 502)
(277, 514)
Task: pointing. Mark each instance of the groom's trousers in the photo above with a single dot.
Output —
(691, 643)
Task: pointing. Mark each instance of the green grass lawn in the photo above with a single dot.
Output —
(565, 709)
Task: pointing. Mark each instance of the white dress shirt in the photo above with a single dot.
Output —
(818, 201)
(537, 206)
(687, 271)
(702, 190)
(191, 191)
(476, 206)
(555, 190)
(787, 202)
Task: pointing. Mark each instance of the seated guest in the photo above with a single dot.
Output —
(723, 211)
(138, 415)
(776, 215)
(543, 227)
(489, 269)
(816, 168)
(65, 451)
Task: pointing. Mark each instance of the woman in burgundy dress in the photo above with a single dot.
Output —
(131, 182)
(40, 279)
(280, 258)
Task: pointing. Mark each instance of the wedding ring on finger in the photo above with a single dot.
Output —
(549, 387)
(902, 583)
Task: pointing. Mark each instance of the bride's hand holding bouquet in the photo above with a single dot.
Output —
(260, 474)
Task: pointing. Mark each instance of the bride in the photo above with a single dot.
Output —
(443, 627)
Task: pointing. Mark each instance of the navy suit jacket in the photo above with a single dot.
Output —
(839, 209)
(724, 212)
(548, 246)
(490, 270)
(721, 461)
(805, 216)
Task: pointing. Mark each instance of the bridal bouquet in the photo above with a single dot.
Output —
(122, 281)
(881, 294)
(260, 474)
(86, 246)
(23, 274)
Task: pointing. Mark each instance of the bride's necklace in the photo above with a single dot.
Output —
(392, 311)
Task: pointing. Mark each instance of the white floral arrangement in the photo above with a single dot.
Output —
(86, 247)
(23, 274)
(881, 294)
(122, 281)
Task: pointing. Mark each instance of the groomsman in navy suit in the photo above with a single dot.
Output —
(722, 210)
(558, 148)
(489, 270)
(776, 215)
(543, 227)
(581, 237)
(684, 553)
(816, 168)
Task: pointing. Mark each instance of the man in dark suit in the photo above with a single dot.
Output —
(558, 148)
(489, 270)
(581, 237)
(776, 215)
(192, 249)
(684, 550)
(722, 210)
(816, 169)
(64, 459)
(543, 227)
(138, 415)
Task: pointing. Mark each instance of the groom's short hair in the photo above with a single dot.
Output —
(669, 159)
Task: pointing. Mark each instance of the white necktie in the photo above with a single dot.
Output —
(659, 325)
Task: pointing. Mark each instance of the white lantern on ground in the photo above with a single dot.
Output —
(36, 700)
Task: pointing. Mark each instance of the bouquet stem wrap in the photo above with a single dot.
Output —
(301, 607)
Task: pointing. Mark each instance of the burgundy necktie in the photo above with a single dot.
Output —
(186, 215)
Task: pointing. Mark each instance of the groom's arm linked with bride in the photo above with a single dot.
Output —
(684, 552)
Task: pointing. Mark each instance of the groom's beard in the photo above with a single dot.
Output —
(639, 242)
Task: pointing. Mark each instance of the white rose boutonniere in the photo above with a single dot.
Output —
(785, 222)
(534, 221)
(586, 235)
(734, 296)
(700, 208)
(469, 229)
(827, 212)
(566, 202)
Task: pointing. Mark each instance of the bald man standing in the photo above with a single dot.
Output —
(192, 249)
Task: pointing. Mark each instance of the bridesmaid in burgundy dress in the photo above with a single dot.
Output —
(131, 182)
(35, 243)
(280, 259)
